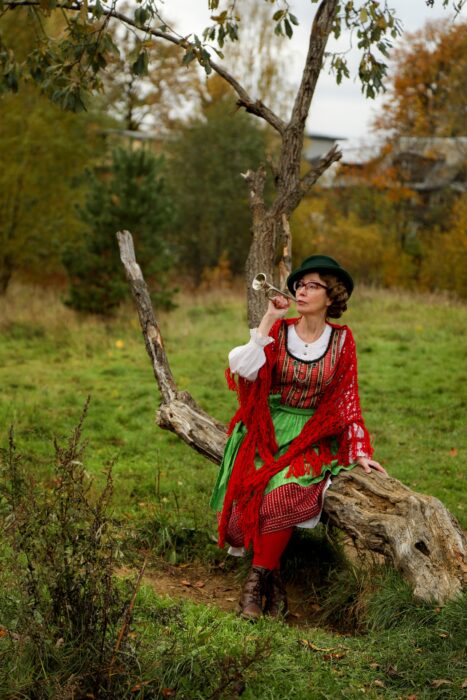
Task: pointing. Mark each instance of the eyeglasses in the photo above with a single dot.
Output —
(308, 286)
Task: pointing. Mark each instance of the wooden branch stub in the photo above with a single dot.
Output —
(285, 263)
(256, 180)
(315, 171)
(149, 326)
(199, 430)
(178, 412)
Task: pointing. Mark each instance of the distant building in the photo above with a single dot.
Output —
(316, 145)
(423, 164)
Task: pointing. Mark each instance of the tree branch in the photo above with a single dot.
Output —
(320, 30)
(256, 181)
(244, 100)
(315, 171)
(288, 181)
(178, 412)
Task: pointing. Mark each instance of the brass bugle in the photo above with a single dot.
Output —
(261, 284)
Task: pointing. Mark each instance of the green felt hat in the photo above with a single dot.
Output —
(320, 263)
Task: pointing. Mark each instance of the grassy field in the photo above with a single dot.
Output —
(412, 384)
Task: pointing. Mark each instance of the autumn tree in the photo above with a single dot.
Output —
(424, 121)
(71, 66)
(148, 90)
(428, 83)
(43, 152)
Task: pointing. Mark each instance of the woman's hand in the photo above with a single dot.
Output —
(369, 464)
(277, 308)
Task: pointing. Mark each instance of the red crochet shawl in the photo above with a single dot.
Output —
(338, 407)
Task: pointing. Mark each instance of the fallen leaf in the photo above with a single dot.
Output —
(231, 600)
(3, 632)
(200, 584)
(168, 692)
(392, 672)
(453, 452)
(412, 696)
(185, 582)
(439, 682)
(334, 657)
(138, 686)
(464, 684)
(444, 635)
(379, 683)
(375, 665)
(309, 645)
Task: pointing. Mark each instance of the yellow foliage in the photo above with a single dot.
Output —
(365, 250)
(219, 277)
(445, 260)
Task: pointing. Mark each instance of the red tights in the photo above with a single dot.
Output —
(271, 548)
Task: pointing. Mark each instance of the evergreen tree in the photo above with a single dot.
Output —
(129, 195)
(205, 163)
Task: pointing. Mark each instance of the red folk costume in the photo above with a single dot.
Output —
(332, 435)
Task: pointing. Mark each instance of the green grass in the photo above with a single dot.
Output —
(411, 351)
(412, 385)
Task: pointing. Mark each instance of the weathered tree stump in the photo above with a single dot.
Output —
(414, 532)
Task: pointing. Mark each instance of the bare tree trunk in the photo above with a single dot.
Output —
(6, 272)
(414, 532)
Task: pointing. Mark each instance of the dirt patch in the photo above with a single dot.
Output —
(221, 589)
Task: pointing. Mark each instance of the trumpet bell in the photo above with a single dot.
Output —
(260, 283)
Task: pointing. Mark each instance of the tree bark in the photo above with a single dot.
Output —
(6, 272)
(178, 411)
(414, 532)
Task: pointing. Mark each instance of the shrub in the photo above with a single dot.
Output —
(63, 611)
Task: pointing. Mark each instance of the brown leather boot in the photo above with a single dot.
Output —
(276, 597)
(251, 602)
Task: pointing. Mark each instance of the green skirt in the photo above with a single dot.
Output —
(288, 423)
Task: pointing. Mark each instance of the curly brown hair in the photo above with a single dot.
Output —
(338, 295)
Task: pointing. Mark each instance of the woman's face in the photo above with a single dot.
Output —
(312, 302)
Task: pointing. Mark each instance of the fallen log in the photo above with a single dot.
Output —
(413, 531)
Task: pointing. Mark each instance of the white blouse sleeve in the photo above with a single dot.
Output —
(247, 360)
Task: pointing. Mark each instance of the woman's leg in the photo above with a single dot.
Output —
(264, 577)
(271, 547)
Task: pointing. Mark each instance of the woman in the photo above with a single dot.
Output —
(298, 423)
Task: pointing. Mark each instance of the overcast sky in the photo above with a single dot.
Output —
(337, 110)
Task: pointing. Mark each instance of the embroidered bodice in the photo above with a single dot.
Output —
(299, 382)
